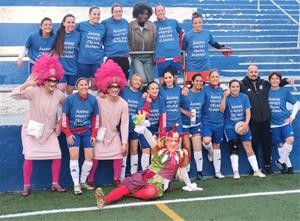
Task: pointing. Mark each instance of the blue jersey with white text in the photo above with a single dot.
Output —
(116, 38)
(91, 50)
(70, 56)
(235, 110)
(196, 45)
(192, 101)
(277, 102)
(37, 45)
(167, 40)
(172, 98)
(211, 109)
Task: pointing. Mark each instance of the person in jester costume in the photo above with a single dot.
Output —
(168, 159)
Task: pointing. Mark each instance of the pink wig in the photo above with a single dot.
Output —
(47, 66)
(109, 73)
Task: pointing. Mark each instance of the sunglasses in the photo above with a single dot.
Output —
(114, 87)
(52, 81)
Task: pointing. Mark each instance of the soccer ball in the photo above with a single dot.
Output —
(241, 128)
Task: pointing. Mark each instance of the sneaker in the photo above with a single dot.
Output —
(210, 156)
(236, 175)
(290, 170)
(77, 190)
(259, 174)
(85, 186)
(219, 176)
(57, 188)
(26, 191)
(200, 176)
(279, 164)
(100, 197)
(268, 169)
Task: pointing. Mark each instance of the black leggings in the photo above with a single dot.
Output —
(123, 62)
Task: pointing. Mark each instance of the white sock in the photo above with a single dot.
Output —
(217, 160)
(74, 168)
(85, 170)
(208, 147)
(253, 162)
(145, 160)
(285, 152)
(199, 160)
(133, 163)
(123, 171)
(234, 162)
(188, 167)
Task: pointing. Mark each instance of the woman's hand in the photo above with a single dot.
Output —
(289, 120)
(20, 62)
(71, 139)
(93, 141)
(124, 149)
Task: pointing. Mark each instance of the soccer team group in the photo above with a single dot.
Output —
(166, 121)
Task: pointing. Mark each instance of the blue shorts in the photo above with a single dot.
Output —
(69, 79)
(279, 134)
(164, 66)
(82, 140)
(230, 134)
(192, 130)
(215, 132)
(178, 129)
(87, 70)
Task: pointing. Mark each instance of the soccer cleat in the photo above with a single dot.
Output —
(259, 174)
(210, 156)
(100, 199)
(268, 169)
(85, 186)
(236, 175)
(26, 191)
(281, 166)
(200, 176)
(290, 170)
(219, 176)
(77, 190)
(57, 188)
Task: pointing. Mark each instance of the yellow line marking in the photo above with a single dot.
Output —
(169, 212)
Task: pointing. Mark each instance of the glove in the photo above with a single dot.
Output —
(192, 187)
(228, 52)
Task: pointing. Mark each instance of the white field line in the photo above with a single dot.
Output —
(82, 209)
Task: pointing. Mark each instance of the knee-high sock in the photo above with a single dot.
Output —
(208, 147)
(234, 162)
(85, 170)
(116, 194)
(117, 168)
(145, 160)
(253, 162)
(124, 163)
(133, 163)
(285, 152)
(288, 161)
(149, 192)
(217, 160)
(199, 160)
(93, 170)
(74, 168)
(27, 171)
(56, 163)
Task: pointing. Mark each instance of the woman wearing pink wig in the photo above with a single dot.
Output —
(112, 135)
(42, 122)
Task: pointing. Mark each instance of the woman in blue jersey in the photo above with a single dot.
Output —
(91, 45)
(132, 94)
(41, 42)
(281, 120)
(213, 121)
(191, 111)
(196, 44)
(66, 47)
(236, 107)
(116, 38)
(155, 105)
(80, 122)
